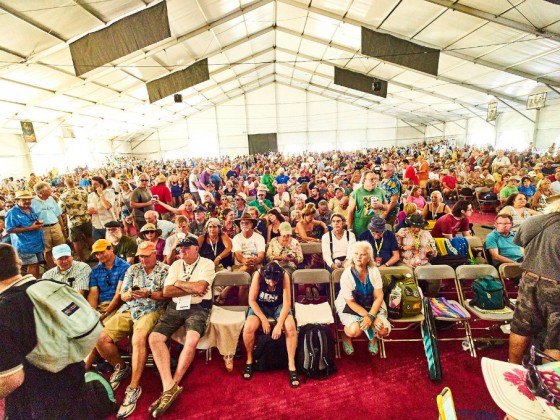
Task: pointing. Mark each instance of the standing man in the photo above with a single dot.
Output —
(30, 392)
(193, 185)
(393, 189)
(142, 294)
(26, 233)
(538, 303)
(366, 202)
(50, 214)
(141, 200)
(189, 285)
(409, 176)
(423, 174)
(74, 203)
(74, 273)
(203, 181)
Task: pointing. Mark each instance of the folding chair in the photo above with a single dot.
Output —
(511, 272)
(477, 248)
(410, 321)
(226, 322)
(437, 273)
(311, 248)
(321, 313)
(465, 275)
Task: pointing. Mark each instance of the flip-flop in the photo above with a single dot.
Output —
(348, 348)
(373, 348)
(248, 371)
(294, 378)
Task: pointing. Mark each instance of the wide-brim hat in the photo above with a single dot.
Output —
(148, 227)
(553, 198)
(23, 195)
(160, 178)
(416, 221)
(506, 383)
(246, 216)
(377, 224)
(243, 196)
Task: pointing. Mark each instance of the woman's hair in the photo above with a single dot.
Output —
(272, 271)
(11, 264)
(101, 180)
(189, 201)
(179, 220)
(416, 188)
(410, 208)
(226, 212)
(278, 215)
(438, 193)
(361, 246)
(213, 221)
(541, 183)
(459, 207)
(309, 209)
(511, 198)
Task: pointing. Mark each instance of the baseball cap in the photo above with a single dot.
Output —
(146, 248)
(285, 229)
(188, 241)
(61, 251)
(101, 245)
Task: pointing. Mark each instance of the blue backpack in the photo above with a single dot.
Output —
(488, 294)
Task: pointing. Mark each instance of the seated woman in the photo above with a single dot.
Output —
(457, 221)
(285, 249)
(416, 244)
(336, 243)
(270, 296)
(435, 209)
(383, 241)
(359, 303)
(409, 210)
(416, 197)
(544, 191)
(274, 220)
(516, 207)
(150, 233)
(229, 227)
(216, 246)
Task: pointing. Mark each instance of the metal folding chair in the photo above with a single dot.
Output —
(437, 273)
(477, 248)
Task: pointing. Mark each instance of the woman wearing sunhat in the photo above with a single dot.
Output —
(150, 233)
(416, 244)
(270, 296)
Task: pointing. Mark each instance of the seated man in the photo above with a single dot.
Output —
(167, 227)
(510, 188)
(74, 273)
(383, 241)
(323, 212)
(181, 232)
(500, 244)
(449, 183)
(189, 284)
(124, 247)
(196, 227)
(142, 294)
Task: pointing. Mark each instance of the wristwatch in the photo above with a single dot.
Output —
(150, 294)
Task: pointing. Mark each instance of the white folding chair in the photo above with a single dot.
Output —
(311, 248)
(477, 248)
(437, 273)
(310, 313)
(465, 274)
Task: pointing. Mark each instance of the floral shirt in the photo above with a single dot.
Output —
(275, 249)
(392, 186)
(74, 203)
(424, 247)
(136, 276)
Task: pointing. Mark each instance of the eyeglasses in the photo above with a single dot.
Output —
(143, 180)
(534, 380)
(260, 195)
(150, 232)
(504, 223)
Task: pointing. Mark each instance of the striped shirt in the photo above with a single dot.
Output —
(79, 271)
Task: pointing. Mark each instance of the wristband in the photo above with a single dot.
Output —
(371, 316)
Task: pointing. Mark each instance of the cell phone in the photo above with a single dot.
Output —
(446, 406)
(155, 197)
(135, 288)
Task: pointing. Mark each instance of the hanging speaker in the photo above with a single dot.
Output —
(178, 98)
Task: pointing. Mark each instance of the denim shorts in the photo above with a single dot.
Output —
(28, 259)
(269, 312)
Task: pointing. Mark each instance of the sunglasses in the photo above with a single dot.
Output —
(534, 380)
(108, 280)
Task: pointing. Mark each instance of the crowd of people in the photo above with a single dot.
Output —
(143, 240)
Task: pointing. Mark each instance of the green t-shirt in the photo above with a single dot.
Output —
(506, 191)
(125, 248)
(268, 180)
(364, 213)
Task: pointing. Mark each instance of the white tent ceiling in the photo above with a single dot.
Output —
(493, 50)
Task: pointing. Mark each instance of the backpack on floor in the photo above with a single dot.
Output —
(270, 354)
(315, 352)
(100, 398)
(488, 293)
(66, 325)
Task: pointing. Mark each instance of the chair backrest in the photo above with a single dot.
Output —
(510, 271)
(434, 272)
(474, 242)
(311, 248)
(396, 269)
(336, 274)
(227, 278)
(470, 272)
(311, 276)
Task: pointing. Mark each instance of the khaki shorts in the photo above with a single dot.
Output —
(76, 232)
(102, 307)
(423, 183)
(53, 236)
(122, 325)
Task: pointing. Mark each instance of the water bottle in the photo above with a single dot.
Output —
(395, 298)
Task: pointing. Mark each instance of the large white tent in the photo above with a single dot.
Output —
(271, 70)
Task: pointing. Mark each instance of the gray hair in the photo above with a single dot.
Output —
(361, 246)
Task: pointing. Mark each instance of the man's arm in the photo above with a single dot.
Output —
(392, 203)
(93, 297)
(351, 210)
(182, 288)
(496, 257)
(11, 381)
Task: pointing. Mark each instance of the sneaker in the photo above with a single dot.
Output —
(167, 399)
(119, 374)
(129, 404)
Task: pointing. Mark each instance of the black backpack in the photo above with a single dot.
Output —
(100, 399)
(315, 352)
(269, 354)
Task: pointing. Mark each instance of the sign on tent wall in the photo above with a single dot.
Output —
(262, 143)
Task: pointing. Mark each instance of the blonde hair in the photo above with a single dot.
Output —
(309, 209)
(410, 208)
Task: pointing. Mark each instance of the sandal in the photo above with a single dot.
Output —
(315, 293)
(294, 378)
(248, 371)
(348, 348)
(219, 300)
(373, 348)
(308, 293)
(228, 360)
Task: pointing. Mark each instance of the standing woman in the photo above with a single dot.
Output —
(270, 296)
(100, 204)
(359, 303)
(176, 189)
(126, 209)
(274, 220)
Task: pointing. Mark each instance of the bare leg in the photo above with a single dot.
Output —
(185, 358)
(518, 345)
(49, 259)
(162, 358)
(108, 350)
(291, 341)
(139, 356)
(33, 269)
(251, 325)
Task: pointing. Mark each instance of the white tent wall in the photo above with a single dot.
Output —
(16, 158)
(513, 131)
(548, 127)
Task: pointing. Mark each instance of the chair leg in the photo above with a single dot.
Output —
(382, 353)
(470, 339)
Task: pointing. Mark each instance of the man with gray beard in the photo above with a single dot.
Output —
(124, 247)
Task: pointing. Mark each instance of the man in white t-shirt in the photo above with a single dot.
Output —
(282, 198)
(193, 185)
(248, 248)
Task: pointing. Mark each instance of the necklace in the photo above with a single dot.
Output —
(434, 211)
(214, 246)
(417, 241)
